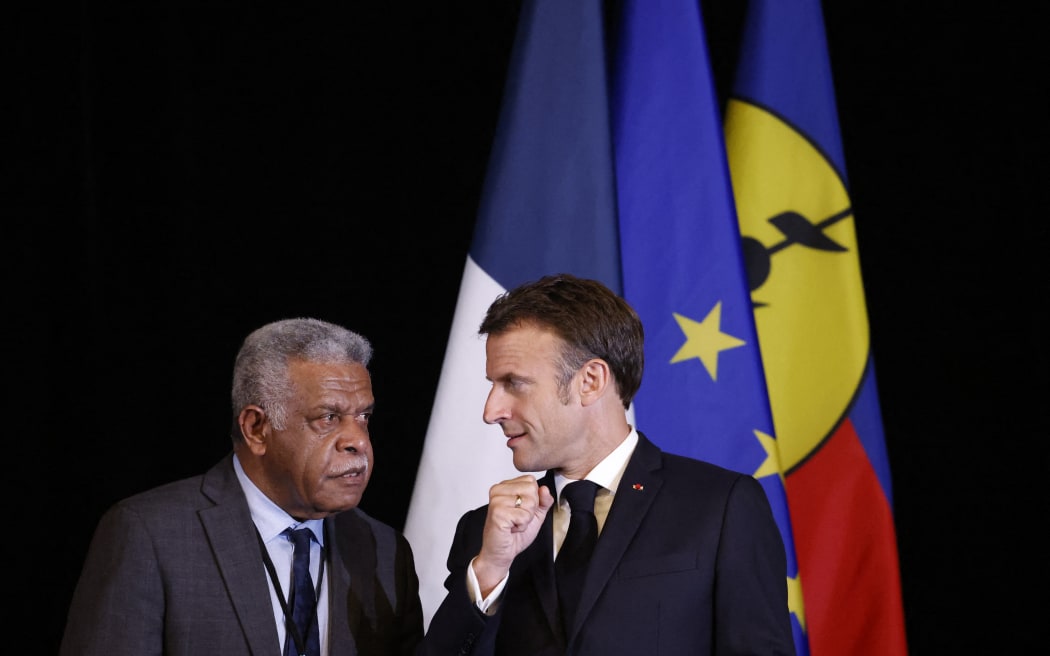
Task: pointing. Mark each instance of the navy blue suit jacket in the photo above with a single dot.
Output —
(689, 561)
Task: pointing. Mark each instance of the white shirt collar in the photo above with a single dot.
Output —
(609, 471)
(270, 519)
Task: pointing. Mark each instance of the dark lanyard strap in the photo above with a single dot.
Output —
(289, 624)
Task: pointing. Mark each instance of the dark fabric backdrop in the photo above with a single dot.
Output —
(176, 174)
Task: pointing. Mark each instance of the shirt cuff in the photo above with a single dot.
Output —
(490, 604)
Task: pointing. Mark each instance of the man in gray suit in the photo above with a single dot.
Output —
(203, 565)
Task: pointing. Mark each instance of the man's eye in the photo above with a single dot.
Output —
(337, 418)
(329, 418)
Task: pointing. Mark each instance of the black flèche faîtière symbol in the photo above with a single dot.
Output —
(796, 229)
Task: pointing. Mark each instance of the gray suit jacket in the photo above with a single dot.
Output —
(178, 570)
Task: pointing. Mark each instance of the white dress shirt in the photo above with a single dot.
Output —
(271, 521)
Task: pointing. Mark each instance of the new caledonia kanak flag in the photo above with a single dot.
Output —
(548, 206)
(704, 393)
(800, 247)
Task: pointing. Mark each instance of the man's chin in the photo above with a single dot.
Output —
(342, 504)
(522, 464)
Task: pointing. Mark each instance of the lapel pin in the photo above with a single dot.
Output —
(638, 486)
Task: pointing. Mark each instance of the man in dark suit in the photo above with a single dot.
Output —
(688, 560)
(204, 565)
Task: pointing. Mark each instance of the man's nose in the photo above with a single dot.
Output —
(353, 438)
(495, 409)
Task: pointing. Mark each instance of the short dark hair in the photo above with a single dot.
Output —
(591, 319)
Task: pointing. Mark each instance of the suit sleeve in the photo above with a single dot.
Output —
(458, 627)
(752, 614)
(410, 623)
(118, 603)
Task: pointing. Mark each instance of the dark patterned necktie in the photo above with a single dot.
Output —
(303, 636)
(571, 564)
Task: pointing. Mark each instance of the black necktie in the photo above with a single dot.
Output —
(303, 635)
(571, 563)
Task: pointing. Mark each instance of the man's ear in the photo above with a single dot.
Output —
(595, 381)
(253, 424)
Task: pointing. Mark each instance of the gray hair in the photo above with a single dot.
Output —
(260, 372)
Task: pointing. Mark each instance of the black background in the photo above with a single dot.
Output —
(178, 174)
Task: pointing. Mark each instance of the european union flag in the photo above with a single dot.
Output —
(704, 392)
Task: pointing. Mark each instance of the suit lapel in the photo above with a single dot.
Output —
(351, 592)
(225, 524)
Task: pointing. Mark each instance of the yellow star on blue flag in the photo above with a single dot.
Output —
(705, 339)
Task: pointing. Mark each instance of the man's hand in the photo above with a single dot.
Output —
(517, 509)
